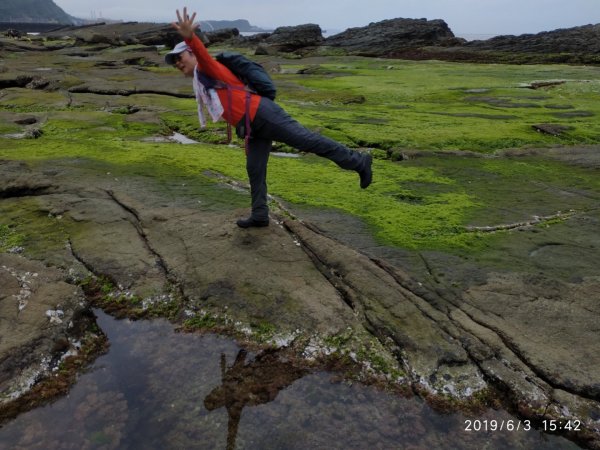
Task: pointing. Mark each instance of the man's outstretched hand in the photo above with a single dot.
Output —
(185, 24)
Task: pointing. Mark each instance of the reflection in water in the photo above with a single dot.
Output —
(157, 389)
(248, 385)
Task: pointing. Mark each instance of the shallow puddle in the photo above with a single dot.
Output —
(182, 139)
(285, 155)
(158, 389)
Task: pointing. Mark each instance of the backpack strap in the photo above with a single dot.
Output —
(229, 100)
(247, 128)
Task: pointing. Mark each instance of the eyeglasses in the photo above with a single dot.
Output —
(176, 59)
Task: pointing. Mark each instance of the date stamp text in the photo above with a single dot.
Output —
(485, 425)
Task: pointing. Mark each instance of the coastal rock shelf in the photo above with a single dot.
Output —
(445, 342)
(466, 275)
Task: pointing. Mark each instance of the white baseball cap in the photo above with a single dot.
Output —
(170, 57)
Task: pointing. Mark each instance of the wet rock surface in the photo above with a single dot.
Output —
(529, 334)
(519, 319)
(516, 327)
(39, 309)
(227, 397)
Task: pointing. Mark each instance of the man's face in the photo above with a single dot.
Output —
(186, 63)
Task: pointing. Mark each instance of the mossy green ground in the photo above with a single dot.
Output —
(445, 106)
(385, 104)
(9, 238)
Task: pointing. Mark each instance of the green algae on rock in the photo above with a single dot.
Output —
(433, 299)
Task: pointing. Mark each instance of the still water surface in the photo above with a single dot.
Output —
(159, 389)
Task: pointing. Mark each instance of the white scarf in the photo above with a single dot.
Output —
(207, 98)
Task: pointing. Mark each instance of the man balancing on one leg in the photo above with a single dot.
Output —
(223, 95)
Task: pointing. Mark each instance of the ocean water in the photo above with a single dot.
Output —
(330, 32)
(476, 37)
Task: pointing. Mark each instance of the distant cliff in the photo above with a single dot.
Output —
(33, 11)
(241, 24)
(389, 36)
(583, 39)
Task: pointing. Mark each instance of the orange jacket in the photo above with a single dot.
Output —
(218, 71)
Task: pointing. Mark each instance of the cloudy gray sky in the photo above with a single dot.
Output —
(463, 16)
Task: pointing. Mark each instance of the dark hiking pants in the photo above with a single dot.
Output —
(272, 123)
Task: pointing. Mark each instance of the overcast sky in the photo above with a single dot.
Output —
(463, 16)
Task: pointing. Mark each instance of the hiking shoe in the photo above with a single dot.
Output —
(252, 222)
(366, 173)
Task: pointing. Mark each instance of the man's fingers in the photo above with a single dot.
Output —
(185, 17)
